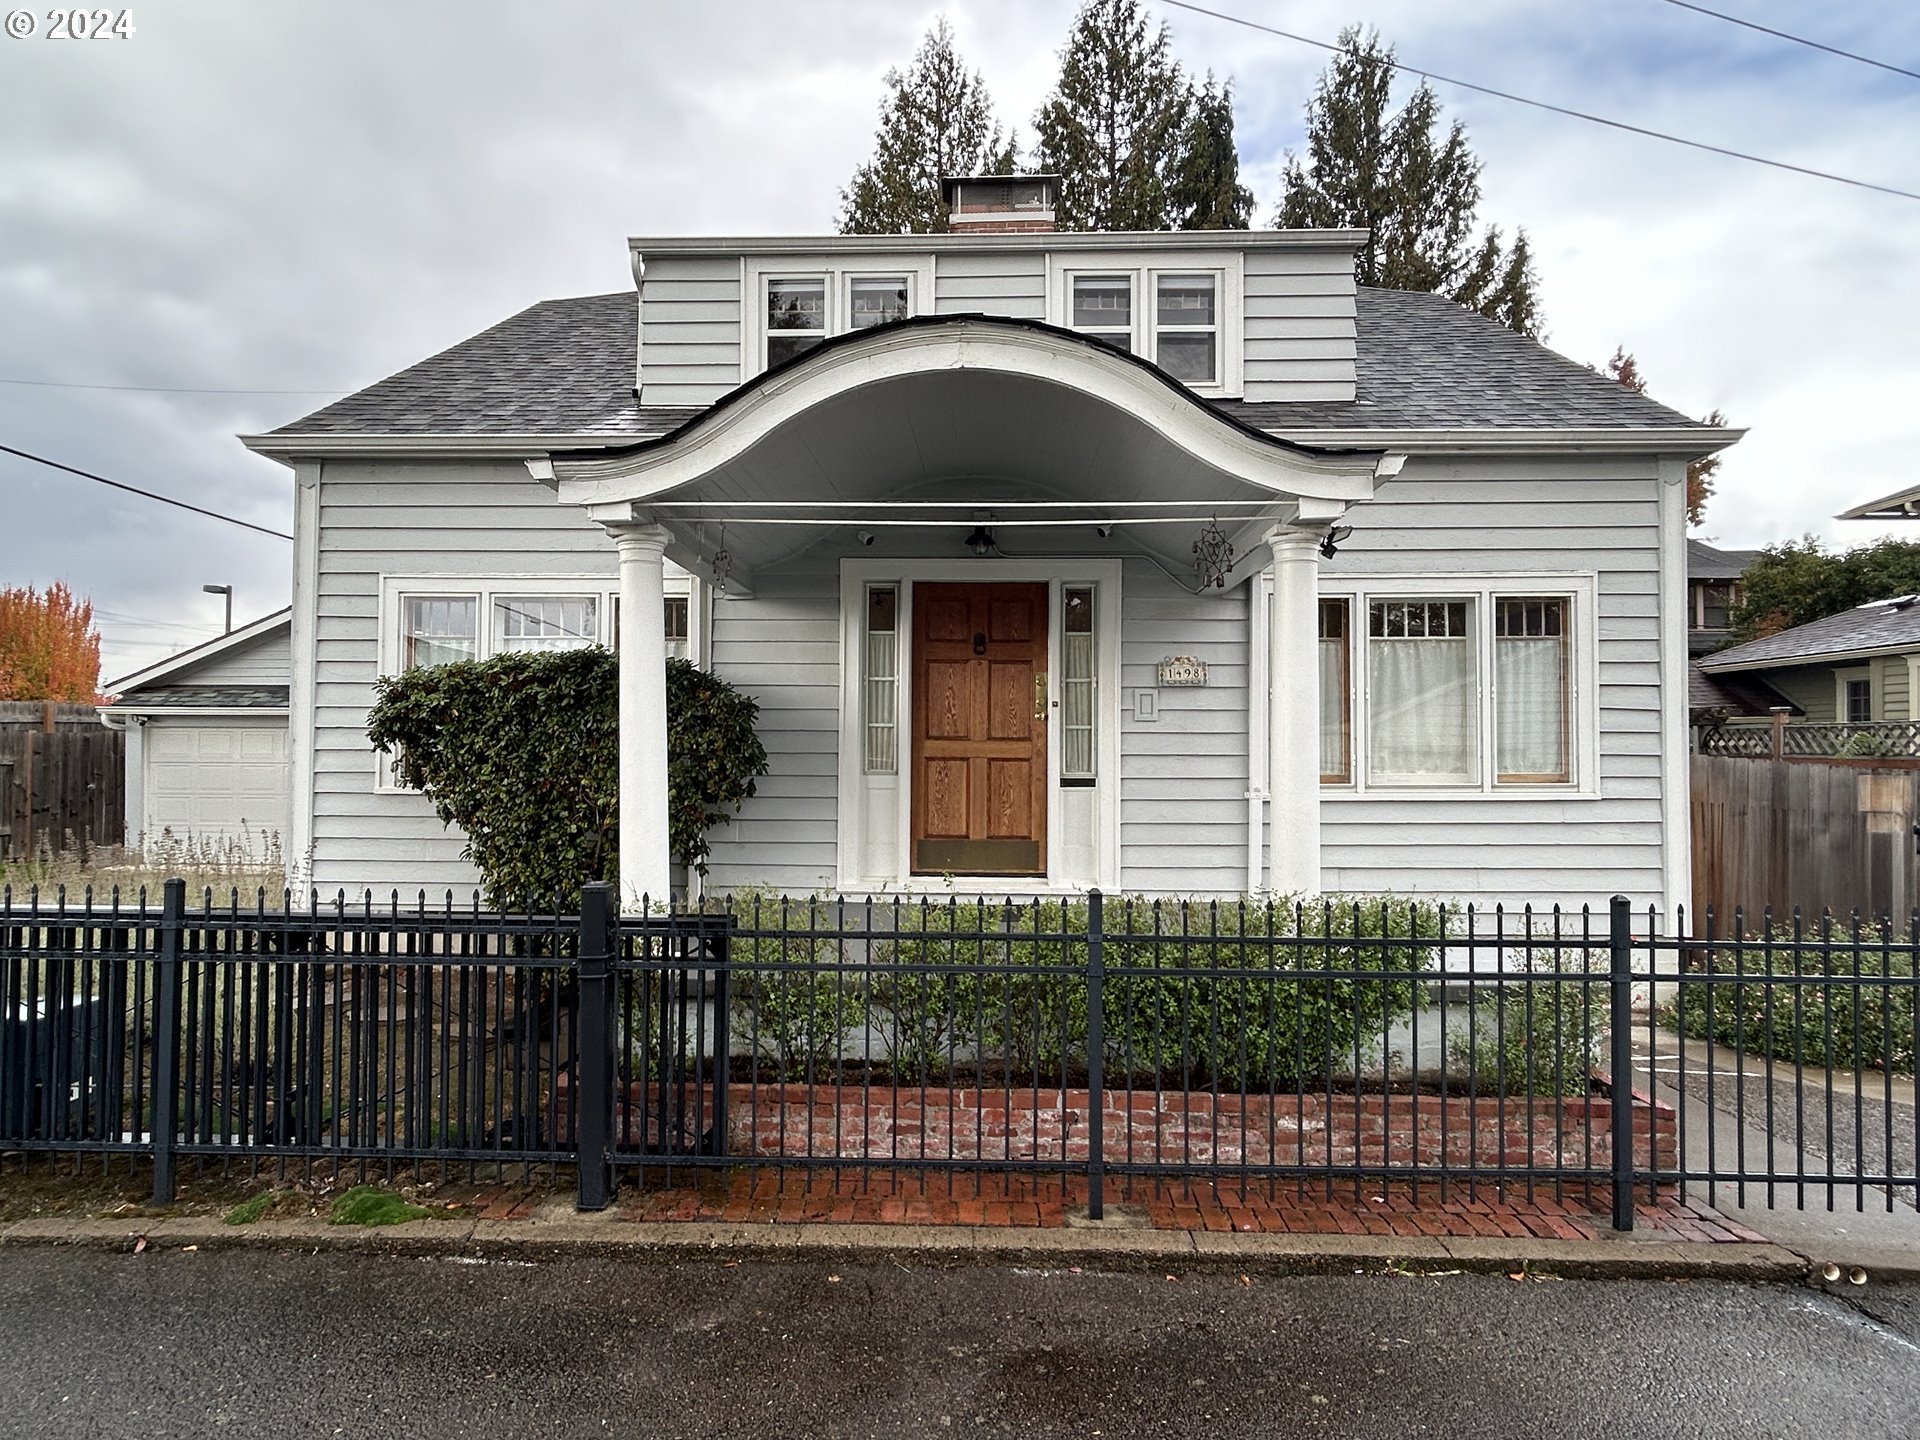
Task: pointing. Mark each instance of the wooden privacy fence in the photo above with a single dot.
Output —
(62, 777)
(1818, 834)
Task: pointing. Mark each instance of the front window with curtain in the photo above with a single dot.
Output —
(796, 317)
(1336, 693)
(439, 629)
(1530, 684)
(1077, 686)
(1186, 328)
(1423, 699)
(545, 622)
(880, 680)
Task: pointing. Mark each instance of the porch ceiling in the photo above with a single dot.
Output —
(930, 424)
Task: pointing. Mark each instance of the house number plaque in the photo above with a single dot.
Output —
(1183, 670)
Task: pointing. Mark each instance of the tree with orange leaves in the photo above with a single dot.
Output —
(1624, 368)
(49, 648)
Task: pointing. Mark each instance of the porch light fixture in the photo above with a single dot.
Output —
(1213, 557)
(1331, 542)
(981, 540)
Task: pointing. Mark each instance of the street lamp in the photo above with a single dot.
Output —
(226, 590)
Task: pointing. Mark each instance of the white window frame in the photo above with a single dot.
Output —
(1228, 267)
(1483, 590)
(839, 272)
(1855, 674)
(395, 590)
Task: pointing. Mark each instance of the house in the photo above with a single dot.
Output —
(1845, 673)
(1713, 594)
(206, 748)
(1171, 563)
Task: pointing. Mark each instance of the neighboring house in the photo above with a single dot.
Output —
(1858, 668)
(206, 731)
(1170, 563)
(1713, 592)
(1901, 505)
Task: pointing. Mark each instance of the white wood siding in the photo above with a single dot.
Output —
(999, 282)
(689, 330)
(411, 518)
(1299, 325)
(263, 660)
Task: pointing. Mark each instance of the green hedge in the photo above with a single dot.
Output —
(1833, 1023)
(1272, 1020)
(1538, 1038)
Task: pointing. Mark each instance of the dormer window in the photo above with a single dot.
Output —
(1187, 326)
(1182, 311)
(800, 302)
(1103, 308)
(796, 317)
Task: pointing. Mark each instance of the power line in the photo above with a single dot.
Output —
(159, 389)
(148, 494)
(1557, 109)
(1796, 39)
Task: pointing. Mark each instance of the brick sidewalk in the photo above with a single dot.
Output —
(884, 1197)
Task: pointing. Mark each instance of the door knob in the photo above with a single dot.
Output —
(1039, 694)
(980, 642)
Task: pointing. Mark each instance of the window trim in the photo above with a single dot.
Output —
(838, 271)
(395, 590)
(1345, 777)
(1855, 674)
(1484, 589)
(1146, 267)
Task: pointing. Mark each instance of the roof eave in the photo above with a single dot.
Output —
(1717, 664)
(735, 246)
(1687, 440)
(519, 446)
(206, 650)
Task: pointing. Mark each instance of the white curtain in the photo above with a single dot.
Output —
(1422, 712)
(880, 679)
(1333, 707)
(545, 622)
(1076, 705)
(1530, 707)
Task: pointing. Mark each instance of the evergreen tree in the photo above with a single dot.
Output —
(1412, 181)
(936, 120)
(1206, 192)
(1113, 127)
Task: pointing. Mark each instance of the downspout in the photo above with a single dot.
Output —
(1259, 618)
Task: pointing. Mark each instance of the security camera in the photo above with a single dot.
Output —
(865, 537)
(1104, 531)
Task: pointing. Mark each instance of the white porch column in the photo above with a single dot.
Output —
(1293, 728)
(646, 859)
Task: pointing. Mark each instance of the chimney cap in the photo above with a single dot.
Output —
(983, 203)
(950, 184)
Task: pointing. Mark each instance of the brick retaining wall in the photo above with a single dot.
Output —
(1176, 1128)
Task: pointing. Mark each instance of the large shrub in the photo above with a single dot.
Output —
(798, 998)
(1851, 1003)
(522, 752)
(1539, 1037)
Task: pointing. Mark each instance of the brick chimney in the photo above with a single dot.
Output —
(999, 204)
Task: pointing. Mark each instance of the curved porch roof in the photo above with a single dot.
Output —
(943, 420)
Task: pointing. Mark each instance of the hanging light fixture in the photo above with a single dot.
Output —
(722, 563)
(1331, 542)
(1213, 557)
(981, 540)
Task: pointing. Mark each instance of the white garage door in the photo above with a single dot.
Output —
(216, 779)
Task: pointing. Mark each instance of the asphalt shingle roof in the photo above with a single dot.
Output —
(1883, 625)
(1705, 562)
(207, 697)
(1736, 694)
(565, 367)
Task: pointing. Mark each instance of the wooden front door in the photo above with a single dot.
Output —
(979, 782)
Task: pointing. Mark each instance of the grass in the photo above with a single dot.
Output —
(248, 1211)
(370, 1205)
(225, 865)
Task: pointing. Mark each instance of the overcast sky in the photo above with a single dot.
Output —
(311, 194)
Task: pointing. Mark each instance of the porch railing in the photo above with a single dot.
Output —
(1101, 1043)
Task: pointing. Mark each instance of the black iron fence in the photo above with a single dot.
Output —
(1096, 1043)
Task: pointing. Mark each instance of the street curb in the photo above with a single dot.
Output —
(1131, 1249)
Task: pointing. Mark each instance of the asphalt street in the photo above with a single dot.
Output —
(273, 1343)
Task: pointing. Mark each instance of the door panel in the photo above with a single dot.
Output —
(979, 776)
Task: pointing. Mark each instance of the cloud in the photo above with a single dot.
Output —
(312, 195)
